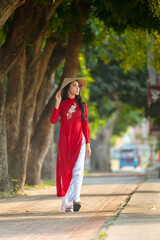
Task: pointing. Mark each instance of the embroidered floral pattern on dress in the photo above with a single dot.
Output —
(71, 110)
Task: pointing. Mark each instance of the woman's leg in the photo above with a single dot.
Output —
(74, 190)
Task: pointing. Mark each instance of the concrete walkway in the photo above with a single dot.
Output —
(140, 219)
(37, 215)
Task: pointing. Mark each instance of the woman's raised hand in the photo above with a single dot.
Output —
(58, 99)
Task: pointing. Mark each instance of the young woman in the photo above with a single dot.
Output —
(74, 142)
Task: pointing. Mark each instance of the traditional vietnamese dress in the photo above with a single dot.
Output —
(74, 134)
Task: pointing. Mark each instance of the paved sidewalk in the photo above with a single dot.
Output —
(38, 216)
(140, 219)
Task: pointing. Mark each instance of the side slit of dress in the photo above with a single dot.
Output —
(73, 192)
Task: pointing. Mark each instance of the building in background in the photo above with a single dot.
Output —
(139, 136)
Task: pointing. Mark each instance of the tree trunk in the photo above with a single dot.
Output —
(15, 91)
(48, 168)
(27, 113)
(100, 158)
(7, 7)
(9, 54)
(37, 154)
(35, 161)
(82, 9)
(41, 137)
(40, 140)
(71, 67)
(4, 178)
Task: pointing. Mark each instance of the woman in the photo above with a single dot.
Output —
(74, 142)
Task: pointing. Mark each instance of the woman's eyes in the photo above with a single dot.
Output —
(76, 85)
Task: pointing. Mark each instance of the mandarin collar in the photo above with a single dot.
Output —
(71, 99)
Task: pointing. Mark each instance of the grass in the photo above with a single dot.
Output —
(11, 193)
(85, 173)
(111, 220)
(43, 184)
(6, 195)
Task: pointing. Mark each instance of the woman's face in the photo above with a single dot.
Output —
(74, 88)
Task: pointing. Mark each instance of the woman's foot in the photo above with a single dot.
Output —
(76, 206)
(69, 209)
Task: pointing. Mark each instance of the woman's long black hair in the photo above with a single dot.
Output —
(78, 100)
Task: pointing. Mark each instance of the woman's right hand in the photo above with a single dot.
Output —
(58, 99)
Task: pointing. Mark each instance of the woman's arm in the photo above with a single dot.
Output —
(88, 150)
(85, 129)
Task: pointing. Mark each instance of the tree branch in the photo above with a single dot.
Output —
(7, 7)
(50, 45)
(47, 88)
(12, 48)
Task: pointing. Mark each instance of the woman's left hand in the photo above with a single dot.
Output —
(88, 150)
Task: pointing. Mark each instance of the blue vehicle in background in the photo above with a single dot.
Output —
(129, 155)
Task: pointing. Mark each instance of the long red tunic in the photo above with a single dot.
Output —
(70, 140)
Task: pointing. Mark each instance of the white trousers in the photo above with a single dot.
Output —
(74, 189)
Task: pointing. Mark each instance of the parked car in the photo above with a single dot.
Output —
(129, 155)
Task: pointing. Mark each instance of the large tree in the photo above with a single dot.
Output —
(38, 37)
(25, 64)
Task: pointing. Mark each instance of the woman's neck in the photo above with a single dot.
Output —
(71, 96)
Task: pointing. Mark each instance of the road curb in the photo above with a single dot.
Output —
(102, 234)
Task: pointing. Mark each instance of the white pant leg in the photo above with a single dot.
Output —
(74, 189)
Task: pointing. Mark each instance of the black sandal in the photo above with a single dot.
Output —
(76, 206)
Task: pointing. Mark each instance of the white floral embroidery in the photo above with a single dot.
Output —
(71, 110)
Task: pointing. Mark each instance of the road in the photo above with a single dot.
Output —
(37, 214)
